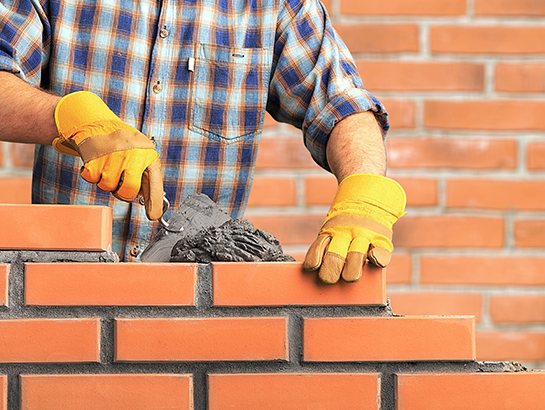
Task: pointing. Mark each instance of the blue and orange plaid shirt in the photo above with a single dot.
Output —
(196, 76)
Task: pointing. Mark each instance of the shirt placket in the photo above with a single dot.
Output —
(155, 116)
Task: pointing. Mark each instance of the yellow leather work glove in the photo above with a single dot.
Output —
(117, 157)
(357, 227)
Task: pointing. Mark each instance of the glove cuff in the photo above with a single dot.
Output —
(377, 190)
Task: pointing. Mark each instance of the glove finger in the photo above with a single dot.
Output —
(315, 253)
(129, 186)
(152, 191)
(91, 174)
(353, 267)
(379, 256)
(332, 265)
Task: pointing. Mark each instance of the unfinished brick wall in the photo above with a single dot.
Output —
(79, 330)
(463, 81)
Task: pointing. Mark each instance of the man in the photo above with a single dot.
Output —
(186, 85)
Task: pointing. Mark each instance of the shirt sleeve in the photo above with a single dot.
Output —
(314, 81)
(25, 38)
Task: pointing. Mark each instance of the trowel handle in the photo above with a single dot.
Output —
(162, 220)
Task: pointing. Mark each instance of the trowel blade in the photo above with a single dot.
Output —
(197, 212)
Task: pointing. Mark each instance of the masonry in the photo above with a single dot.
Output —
(80, 330)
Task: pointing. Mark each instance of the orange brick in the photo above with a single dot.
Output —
(272, 191)
(402, 113)
(447, 231)
(470, 391)
(321, 190)
(399, 270)
(509, 8)
(56, 227)
(290, 229)
(475, 270)
(379, 38)
(497, 194)
(458, 153)
(107, 391)
(15, 190)
(498, 115)
(473, 39)
(4, 282)
(511, 345)
(22, 155)
(389, 338)
(294, 391)
(535, 156)
(269, 121)
(193, 339)
(526, 78)
(4, 393)
(283, 153)
(277, 284)
(518, 309)
(436, 303)
(50, 340)
(99, 284)
(404, 7)
(420, 76)
(529, 233)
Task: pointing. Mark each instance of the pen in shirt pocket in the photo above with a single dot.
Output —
(191, 64)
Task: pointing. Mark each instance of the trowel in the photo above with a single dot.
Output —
(196, 213)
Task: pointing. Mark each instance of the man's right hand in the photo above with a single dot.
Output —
(117, 157)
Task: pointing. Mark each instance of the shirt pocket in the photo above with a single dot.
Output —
(230, 86)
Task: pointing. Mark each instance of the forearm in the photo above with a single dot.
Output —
(26, 113)
(356, 146)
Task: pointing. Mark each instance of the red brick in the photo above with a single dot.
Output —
(272, 191)
(509, 8)
(529, 233)
(107, 391)
(269, 121)
(482, 270)
(518, 309)
(22, 155)
(290, 229)
(404, 7)
(4, 392)
(511, 345)
(277, 284)
(526, 78)
(420, 76)
(470, 391)
(56, 227)
(402, 113)
(283, 153)
(294, 391)
(535, 156)
(445, 231)
(399, 270)
(436, 303)
(378, 338)
(4, 281)
(49, 340)
(497, 115)
(458, 153)
(496, 194)
(475, 39)
(94, 284)
(321, 190)
(379, 38)
(195, 339)
(15, 190)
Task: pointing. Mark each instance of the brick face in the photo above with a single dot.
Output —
(111, 391)
(519, 77)
(404, 7)
(534, 8)
(293, 391)
(379, 38)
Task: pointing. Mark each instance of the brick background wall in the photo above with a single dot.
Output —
(464, 82)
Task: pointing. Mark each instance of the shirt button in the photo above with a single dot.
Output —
(134, 251)
(157, 88)
(163, 33)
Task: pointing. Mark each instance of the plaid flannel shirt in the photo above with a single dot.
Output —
(196, 76)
